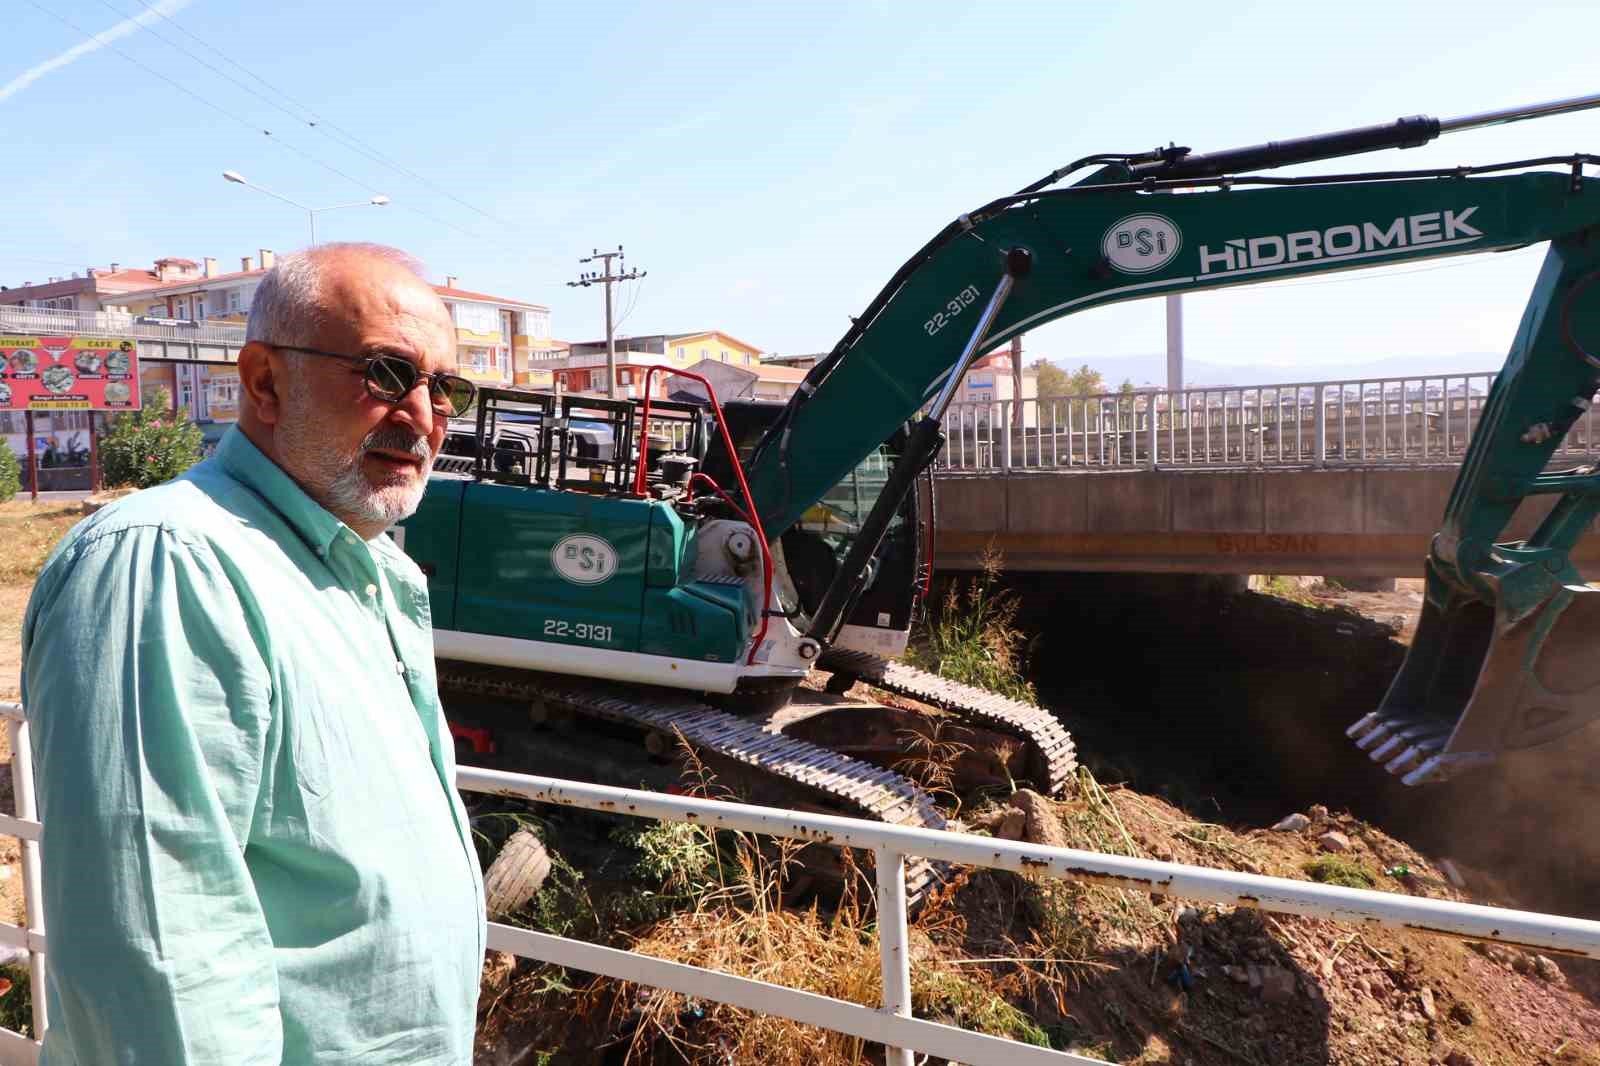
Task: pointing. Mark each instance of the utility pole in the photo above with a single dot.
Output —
(607, 278)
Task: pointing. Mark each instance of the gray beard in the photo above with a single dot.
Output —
(335, 479)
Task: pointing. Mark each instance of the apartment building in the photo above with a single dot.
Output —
(585, 369)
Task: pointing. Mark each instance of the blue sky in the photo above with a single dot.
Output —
(769, 165)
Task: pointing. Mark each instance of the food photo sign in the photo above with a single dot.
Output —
(68, 374)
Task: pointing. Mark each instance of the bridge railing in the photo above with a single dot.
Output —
(1370, 421)
(891, 1024)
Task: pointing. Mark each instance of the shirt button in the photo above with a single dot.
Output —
(399, 667)
(372, 590)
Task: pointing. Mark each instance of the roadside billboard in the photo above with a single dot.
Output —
(68, 374)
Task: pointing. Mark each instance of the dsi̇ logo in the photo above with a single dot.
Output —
(1140, 244)
(584, 559)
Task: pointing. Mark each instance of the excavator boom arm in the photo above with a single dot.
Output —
(1105, 243)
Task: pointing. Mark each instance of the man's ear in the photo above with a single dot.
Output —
(261, 382)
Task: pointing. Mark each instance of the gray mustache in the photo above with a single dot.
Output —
(395, 438)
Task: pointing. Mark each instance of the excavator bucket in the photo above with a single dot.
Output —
(1483, 679)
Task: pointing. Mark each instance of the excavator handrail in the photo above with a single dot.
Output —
(754, 516)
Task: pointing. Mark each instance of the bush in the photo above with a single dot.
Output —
(973, 637)
(10, 473)
(149, 446)
(16, 1002)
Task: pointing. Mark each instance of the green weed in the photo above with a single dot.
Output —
(1337, 870)
(973, 637)
(968, 1004)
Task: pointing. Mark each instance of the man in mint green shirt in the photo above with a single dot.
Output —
(253, 850)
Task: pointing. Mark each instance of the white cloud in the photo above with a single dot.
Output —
(99, 41)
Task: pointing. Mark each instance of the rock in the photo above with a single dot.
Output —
(1187, 915)
(1277, 984)
(1463, 1012)
(1012, 826)
(1334, 841)
(1043, 826)
(1521, 963)
(497, 967)
(1237, 974)
(1252, 974)
(1319, 813)
(1547, 970)
(1292, 824)
(1458, 1057)
(1430, 1010)
(989, 820)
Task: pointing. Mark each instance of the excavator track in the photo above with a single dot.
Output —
(861, 788)
(1053, 757)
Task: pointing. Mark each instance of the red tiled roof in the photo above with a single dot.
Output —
(463, 294)
(188, 285)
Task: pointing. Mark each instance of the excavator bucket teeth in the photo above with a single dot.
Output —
(1481, 680)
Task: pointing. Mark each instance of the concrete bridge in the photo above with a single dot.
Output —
(1337, 478)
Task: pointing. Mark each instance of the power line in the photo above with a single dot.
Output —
(196, 96)
(315, 121)
(252, 127)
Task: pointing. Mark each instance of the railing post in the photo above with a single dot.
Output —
(1322, 425)
(1150, 410)
(1005, 425)
(892, 950)
(32, 881)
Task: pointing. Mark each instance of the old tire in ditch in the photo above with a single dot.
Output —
(515, 875)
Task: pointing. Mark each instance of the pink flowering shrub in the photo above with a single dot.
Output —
(149, 446)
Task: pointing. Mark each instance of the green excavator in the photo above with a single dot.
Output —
(682, 581)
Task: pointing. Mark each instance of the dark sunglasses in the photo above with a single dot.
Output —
(391, 377)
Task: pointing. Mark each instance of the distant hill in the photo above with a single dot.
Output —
(1197, 373)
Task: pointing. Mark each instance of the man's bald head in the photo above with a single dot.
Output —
(298, 298)
(361, 456)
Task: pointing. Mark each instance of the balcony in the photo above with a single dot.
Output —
(158, 338)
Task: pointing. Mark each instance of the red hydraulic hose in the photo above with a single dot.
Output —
(751, 515)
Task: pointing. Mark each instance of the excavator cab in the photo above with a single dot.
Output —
(814, 548)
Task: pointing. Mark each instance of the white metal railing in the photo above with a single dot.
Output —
(117, 324)
(1399, 421)
(892, 1024)
(16, 1049)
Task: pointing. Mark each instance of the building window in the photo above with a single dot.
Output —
(703, 353)
(233, 299)
(624, 376)
(681, 355)
(746, 358)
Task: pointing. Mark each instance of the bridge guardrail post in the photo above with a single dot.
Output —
(1322, 425)
(1155, 436)
(893, 952)
(1005, 426)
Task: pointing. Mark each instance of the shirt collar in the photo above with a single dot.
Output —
(244, 461)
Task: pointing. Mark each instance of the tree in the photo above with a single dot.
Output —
(151, 445)
(1085, 381)
(1052, 379)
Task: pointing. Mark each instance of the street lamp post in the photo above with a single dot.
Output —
(311, 212)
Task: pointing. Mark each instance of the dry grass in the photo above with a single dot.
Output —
(30, 531)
